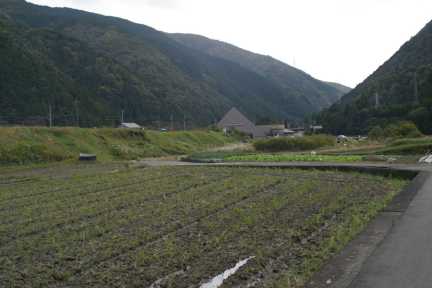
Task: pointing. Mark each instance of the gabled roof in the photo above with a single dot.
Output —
(235, 118)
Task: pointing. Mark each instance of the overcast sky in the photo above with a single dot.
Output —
(334, 40)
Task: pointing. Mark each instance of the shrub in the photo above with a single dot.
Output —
(406, 129)
(402, 129)
(376, 133)
(294, 144)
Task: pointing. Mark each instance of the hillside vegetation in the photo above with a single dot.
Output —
(404, 88)
(300, 89)
(38, 145)
(89, 67)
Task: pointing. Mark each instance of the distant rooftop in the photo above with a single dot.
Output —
(130, 125)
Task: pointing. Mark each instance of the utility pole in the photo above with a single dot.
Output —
(122, 115)
(377, 100)
(50, 118)
(416, 91)
(77, 117)
(172, 122)
(184, 122)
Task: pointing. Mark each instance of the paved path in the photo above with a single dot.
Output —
(404, 258)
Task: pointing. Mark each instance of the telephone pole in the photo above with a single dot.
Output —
(122, 115)
(184, 122)
(172, 122)
(50, 117)
(416, 90)
(377, 100)
(77, 116)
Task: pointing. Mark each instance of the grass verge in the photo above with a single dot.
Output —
(38, 145)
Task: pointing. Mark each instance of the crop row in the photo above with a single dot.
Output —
(150, 218)
(186, 229)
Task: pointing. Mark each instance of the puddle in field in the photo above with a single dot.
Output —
(218, 280)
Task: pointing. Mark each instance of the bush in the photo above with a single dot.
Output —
(403, 129)
(294, 144)
(376, 133)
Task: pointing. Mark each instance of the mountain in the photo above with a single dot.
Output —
(401, 89)
(341, 88)
(308, 94)
(88, 68)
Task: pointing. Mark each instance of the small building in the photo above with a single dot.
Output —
(129, 126)
(268, 130)
(235, 120)
(316, 128)
(283, 132)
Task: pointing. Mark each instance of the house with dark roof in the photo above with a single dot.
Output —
(235, 120)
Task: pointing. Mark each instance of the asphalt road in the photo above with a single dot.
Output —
(404, 258)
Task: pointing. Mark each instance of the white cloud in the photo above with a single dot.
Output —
(335, 40)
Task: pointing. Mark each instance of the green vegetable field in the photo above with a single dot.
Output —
(112, 226)
(294, 158)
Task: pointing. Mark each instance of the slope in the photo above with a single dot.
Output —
(401, 89)
(310, 94)
(342, 88)
(96, 66)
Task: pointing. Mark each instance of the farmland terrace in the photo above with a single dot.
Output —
(107, 225)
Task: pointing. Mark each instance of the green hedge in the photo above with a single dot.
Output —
(294, 144)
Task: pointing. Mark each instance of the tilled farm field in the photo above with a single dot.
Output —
(179, 226)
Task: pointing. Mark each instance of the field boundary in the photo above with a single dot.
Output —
(342, 270)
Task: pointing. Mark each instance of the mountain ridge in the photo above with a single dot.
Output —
(291, 79)
(102, 65)
(389, 93)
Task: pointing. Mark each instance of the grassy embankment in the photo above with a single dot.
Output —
(101, 226)
(409, 146)
(326, 150)
(40, 145)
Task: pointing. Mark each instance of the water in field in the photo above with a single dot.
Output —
(219, 279)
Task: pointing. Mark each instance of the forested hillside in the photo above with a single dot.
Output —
(89, 68)
(401, 89)
(306, 93)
